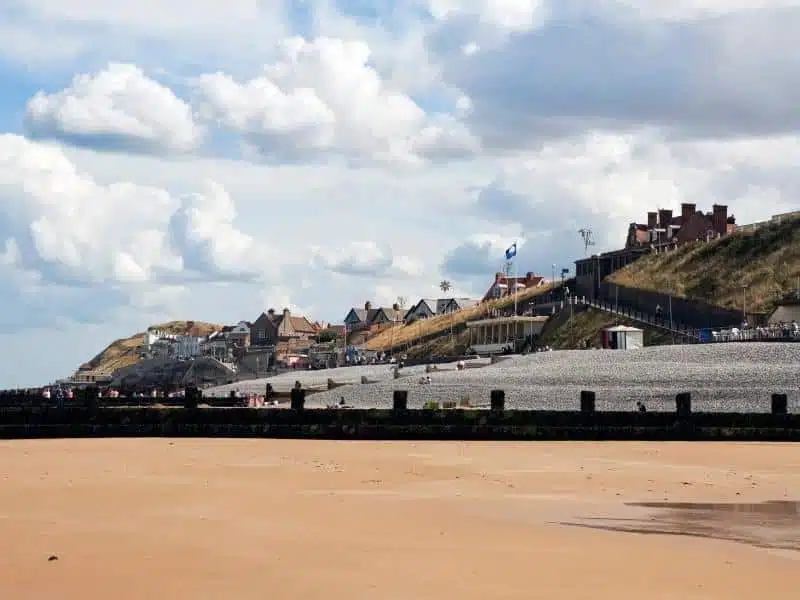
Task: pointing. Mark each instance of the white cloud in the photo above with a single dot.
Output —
(515, 15)
(68, 228)
(324, 95)
(360, 258)
(689, 10)
(203, 233)
(148, 15)
(119, 107)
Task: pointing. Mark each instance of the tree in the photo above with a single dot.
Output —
(326, 335)
(446, 286)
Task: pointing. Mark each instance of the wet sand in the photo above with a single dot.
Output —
(241, 519)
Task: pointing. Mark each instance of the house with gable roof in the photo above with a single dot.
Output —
(431, 307)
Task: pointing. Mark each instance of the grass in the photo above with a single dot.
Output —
(125, 352)
(767, 261)
(564, 333)
(443, 345)
(407, 334)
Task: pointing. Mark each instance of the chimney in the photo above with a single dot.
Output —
(652, 220)
(719, 219)
(271, 312)
(498, 277)
(285, 312)
(367, 305)
(687, 210)
(664, 218)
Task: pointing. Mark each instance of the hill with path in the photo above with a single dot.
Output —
(125, 352)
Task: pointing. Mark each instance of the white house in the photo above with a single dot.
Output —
(154, 335)
(186, 346)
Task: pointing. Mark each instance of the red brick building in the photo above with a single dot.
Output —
(664, 229)
(504, 285)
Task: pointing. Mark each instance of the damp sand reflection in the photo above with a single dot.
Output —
(771, 525)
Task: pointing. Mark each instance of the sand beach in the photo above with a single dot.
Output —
(292, 519)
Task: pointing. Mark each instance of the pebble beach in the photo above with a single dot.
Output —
(721, 377)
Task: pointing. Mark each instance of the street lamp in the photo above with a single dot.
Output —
(744, 303)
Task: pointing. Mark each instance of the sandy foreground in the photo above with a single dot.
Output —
(241, 519)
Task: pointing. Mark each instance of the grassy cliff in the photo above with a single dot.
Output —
(125, 352)
(767, 261)
(407, 335)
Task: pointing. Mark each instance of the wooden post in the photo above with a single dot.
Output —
(497, 398)
(683, 404)
(779, 404)
(400, 400)
(587, 402)
(298, 398)
(90, 396)
(190, 395)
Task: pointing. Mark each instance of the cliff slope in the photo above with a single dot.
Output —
(766, 261)
(125, 352)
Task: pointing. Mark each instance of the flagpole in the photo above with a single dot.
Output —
(516, 281)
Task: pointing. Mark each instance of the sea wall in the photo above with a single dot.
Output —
(49, 421)
(686, 311)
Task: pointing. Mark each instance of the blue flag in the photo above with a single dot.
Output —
(511, 252)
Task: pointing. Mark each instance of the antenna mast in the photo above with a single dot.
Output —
(588, 239)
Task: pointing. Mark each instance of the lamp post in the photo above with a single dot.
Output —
(744, 303)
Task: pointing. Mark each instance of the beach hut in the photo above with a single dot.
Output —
(622, 338)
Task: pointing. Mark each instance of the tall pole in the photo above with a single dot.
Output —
(516, 281)
(670, 312)
(744, 303)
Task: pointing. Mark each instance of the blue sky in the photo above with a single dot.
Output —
(206, 160)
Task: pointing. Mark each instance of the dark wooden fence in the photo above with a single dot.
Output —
(93, 417)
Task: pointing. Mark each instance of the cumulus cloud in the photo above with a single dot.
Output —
(323, 95)
(203, 233)
(365, 259)
(118, 108)
(62, 228)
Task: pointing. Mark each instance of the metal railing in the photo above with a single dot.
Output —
(777, 333)
(664, 323)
